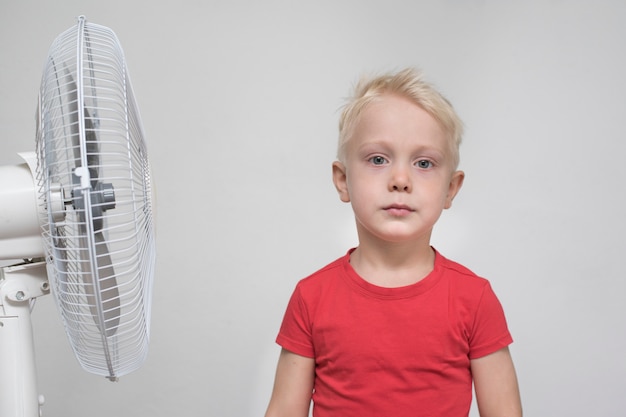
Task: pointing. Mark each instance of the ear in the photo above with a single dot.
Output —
(341, 181)
(456, 182)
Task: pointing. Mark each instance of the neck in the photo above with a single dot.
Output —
(393, 264)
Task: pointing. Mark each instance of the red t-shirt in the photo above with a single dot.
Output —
(394, 352)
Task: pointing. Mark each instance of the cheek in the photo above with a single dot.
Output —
(360, 187)
(359, 194)
(446, 198)
(436, 194)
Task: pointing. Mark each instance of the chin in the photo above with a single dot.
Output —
(399, 233)
(404, 238)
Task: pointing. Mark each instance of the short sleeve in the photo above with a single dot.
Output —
(490, 332)
(295, 330)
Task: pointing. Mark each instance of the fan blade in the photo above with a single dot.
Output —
(92, 149)
(107, 288)
(109, 292)
(91, 139)
(72, 92)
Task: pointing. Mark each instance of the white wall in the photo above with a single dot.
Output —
(239, 102)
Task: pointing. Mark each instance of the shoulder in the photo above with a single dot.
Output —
(476, 305)
(324, 276)
(462, 279)
(324, 287)
(457, 270)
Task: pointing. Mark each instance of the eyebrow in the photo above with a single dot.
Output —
(440, 151)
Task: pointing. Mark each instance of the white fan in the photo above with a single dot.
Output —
(83, 202)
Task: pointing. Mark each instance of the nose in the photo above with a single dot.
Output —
(400, 180)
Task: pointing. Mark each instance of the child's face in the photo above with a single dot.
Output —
(398, 172)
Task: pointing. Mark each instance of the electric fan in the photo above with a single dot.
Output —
(79, 211)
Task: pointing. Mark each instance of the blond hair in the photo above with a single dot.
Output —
(408, 83)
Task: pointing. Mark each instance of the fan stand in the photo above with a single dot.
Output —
(20, 285)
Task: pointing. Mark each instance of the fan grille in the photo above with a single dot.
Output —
(94, 184)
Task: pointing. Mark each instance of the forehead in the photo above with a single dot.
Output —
(394, 118)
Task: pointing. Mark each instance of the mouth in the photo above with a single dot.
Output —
(398, 210)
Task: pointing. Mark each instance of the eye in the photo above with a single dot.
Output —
(424, 164)
(377, 160)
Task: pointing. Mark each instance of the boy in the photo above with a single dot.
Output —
(394, 329)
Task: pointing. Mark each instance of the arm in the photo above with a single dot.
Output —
(495, 382)
(293, 386)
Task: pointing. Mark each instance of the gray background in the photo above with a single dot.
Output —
(240, 100)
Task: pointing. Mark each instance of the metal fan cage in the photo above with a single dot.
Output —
(94, 184)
